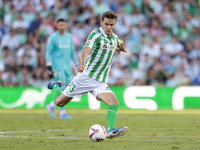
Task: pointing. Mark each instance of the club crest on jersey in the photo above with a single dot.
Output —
(104, 46)
(109, 47)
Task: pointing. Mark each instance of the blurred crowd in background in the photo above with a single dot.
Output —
(162, 38)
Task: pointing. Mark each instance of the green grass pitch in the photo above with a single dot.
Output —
(148, 130)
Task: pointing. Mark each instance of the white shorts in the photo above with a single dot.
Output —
(82, 84)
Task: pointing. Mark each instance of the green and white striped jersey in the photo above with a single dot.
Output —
(99, 60)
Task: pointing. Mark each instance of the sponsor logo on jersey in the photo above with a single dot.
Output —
(63, 46)
(104, 46)
(88, 42)
(109, 47)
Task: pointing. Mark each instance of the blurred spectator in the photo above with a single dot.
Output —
(60, 11)
(194, 35)
(180, 59)
(100, 7)
(4, 55)
(2, 68)
(26, 63)
(21, 35)
(92, 24)
(146, 9)
(121, 28)
(151, 49)
(163, 56)
(44, 12)
(116, 5)
(10, 40)
(29, 51)
(183, 32)
(23, 76)
(3, 29)
(142, 28)
(9, 78)
(145, 63)
(192, 71)
(44, 78)
(151, 77)
(174, 47)
(165, 37)
(155, 30)
(12, 65)
(20, 23)
(19, 4)
(162, 39)
(195, 52)
(79, 31)
(27, 15)
(169, 67)
(10, 17)
(45, 28)
(136, 17)
(35, 24)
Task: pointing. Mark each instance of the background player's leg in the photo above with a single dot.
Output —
(63, 114)
(51, 106)
(66, 78)
(112, 102)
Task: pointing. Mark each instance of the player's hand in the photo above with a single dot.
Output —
(120, 47)
(50, 72)
(81, 68)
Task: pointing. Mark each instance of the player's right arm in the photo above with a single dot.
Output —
(89, 45)
(48, 55)
(83, 57)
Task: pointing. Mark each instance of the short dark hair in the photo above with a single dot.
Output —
(109, 15)
(61, 20)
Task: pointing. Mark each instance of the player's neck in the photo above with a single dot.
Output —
(110, 35)
(62, 32)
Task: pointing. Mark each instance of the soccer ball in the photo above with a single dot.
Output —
(97, 133)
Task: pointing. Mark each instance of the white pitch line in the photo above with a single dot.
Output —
(5, 136)
(83, 129)
(34, 131)
(172, 136)
(74, 138)
(29, 137)
(167, 128)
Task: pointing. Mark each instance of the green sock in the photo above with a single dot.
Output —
(111, 116)
(56, 90)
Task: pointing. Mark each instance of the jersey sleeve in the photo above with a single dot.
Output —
(117, 40)
(49, 49)
(92, 39)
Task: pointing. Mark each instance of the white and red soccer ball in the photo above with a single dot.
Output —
(97, 133)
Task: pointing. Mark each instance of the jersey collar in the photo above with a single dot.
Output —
(102, 31)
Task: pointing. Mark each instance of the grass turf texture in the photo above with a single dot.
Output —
(159, 130)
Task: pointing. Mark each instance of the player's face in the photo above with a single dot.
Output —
(108, 25)
(61, 26)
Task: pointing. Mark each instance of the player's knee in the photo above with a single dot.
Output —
(114, 102)
(58, 103)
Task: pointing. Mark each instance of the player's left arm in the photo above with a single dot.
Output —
(120, 47)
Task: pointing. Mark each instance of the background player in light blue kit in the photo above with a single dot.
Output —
(59, 52)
